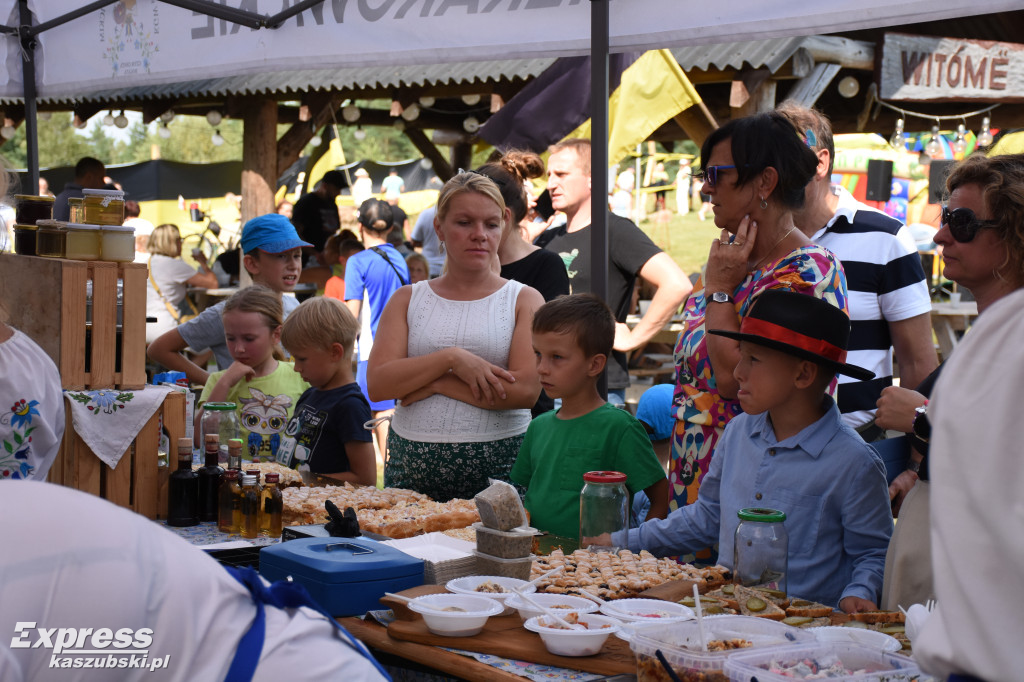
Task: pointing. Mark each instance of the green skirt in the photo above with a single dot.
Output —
(447, 470)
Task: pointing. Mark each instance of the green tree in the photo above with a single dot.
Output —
(59, 144)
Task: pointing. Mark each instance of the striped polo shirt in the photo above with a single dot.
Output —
(886, 284)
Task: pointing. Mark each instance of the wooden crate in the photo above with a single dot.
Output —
(46, 298)
(137, 482)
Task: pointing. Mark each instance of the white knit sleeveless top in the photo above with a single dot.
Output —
(483, 327)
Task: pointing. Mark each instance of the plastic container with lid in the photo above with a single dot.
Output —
(117, 243)
(221, 419)
(761, 549)
(604, 508)
(875, 665)
(51, 239)
(83, 242)
(25, 240)
(76, 210)
(679, 643)
(29, 209)
(103, 206)
(518, 568)
(504, 544)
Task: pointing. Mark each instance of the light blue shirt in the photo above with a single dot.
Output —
(831, 485)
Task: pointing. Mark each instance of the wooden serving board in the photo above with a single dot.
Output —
(505, 636)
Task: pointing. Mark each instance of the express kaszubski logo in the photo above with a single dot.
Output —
(89, 647)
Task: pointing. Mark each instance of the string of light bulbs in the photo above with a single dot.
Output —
(934, 148)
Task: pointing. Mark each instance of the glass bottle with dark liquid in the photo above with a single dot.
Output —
(183, 489)
(209, 479)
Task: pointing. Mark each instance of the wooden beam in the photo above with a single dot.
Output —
(259, 157)
(753, 93)
(697, 122)
(427, 148)
(462, 155)
(852, 54)
(295, 139)
(807, 90)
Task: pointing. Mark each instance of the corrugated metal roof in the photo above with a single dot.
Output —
(771, 54)
(321, 79)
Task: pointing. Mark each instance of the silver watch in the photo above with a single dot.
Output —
(721, 297)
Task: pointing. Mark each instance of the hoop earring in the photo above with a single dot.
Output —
(764, 204)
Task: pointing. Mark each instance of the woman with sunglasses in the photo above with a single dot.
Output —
(755, 170)
(981, 234)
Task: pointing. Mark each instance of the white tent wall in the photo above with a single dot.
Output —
(155, 42)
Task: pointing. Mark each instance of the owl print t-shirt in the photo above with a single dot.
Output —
(265, 405)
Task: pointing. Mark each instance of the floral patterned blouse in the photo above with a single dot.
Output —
(809, 269)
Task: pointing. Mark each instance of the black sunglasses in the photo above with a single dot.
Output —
(710, 174)
(963, 224)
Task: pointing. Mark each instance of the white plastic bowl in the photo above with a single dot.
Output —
(574, 642)
(550, 601)
(647, 611)
(468, 585)
(877, 640)
(465, 623)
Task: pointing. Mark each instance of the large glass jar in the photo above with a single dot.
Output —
(104, 206)
(761, 549)
(604, 509)
(83, 242)
(221, 419)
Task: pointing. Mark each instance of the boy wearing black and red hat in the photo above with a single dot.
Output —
(791, 452)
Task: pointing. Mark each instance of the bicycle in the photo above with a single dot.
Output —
(211, 245)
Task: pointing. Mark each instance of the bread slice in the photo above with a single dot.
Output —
(875, 617)
(807, 622)
(711, 606)
(777, 597)
(754, 603)
(809, 609)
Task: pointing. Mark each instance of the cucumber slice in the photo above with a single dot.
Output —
(797, 621)
(756, 604)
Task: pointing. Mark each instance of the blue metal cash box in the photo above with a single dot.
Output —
(346, 576)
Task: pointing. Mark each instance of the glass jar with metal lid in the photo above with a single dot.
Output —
(761, 549)
(222, 419)
(604, 509)
(51, 239)
(103, 206)
(30, 208)
(25, 239)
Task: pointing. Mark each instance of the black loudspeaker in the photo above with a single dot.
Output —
(937, 172)
(879, 180)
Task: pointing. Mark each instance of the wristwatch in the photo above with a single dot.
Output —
(915, 466)
(922, 428)
(721, 297)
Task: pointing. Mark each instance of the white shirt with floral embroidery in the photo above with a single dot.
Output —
(31, 409)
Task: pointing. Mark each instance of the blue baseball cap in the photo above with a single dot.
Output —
(655, 411)
(272, 233)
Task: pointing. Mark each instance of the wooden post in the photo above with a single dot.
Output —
(462, 156)
(259, 157)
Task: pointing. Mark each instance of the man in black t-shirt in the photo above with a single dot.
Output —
(631, 254)
(315, 215)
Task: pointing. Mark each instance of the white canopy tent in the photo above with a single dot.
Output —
(65, 49)
(163, 41)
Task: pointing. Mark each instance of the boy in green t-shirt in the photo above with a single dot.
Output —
(572, 337)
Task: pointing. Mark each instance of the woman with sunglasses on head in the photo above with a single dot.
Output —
(981, 234)
(755, 170)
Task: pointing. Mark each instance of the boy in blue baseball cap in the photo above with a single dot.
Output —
(273, 258)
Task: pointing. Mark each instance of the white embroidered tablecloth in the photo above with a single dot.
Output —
(108, 419)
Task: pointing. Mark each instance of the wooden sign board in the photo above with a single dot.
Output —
(950, 69)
